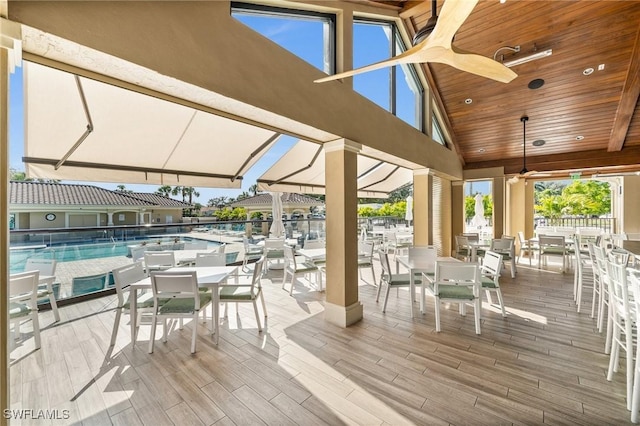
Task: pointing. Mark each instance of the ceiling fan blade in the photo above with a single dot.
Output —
(452, 16)
(479, 65)
(403, 58)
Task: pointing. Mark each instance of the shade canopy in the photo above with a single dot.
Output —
(125, 136)
(302, 169)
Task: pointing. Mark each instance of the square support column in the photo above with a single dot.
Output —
(422, 201)
(342, 306)
(498, 195)
(520, 202)
(457, 208)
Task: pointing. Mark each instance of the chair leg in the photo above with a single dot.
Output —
(513, 268)
(499, 293)
(116, 324)
(194, 334)
(36, 329)
(488, 292)
(264, 305)
(293, 279)
(635, 398)
(255, 309)
(164, 330)
(386, 297)
(373, 274)
(437, 314)
(477, 308)
(378, 293)
(152, 336)
(54, 306)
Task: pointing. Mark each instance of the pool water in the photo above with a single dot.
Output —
(71, 252)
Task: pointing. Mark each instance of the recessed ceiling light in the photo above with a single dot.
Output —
(468, 101)
(538, 142)
(579, 137)
(600, 67)
(587, 71)
(481, 150)
(503, 1)
(536, 83)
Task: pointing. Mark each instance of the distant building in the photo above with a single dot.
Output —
(292, 203)
(37, 205)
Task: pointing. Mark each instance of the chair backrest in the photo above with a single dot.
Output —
(26, 285)
(45, 266)
(384, 263)
(521, 239)
(618, 288)
(125, 276)
(462, 242)
(502, 245)
(471, 236)
(365, 249)
(314, 244)
(175, 285)
(257, 275)
(196, 245)
(159, 260)
(137, 253)
(458, 273)
(289, 258)
(556, 241)
(491, 266)
(274, 243)
(211, 259)
(221, 248)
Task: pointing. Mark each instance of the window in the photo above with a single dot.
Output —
(436, 131)
(308, 35)
(396, 89)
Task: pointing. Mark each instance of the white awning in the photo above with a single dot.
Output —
(302, 169)
(129, 137)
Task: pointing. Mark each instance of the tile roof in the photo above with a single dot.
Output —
(289, 198)
(56, 194)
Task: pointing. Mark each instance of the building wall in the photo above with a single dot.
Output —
(37, 220)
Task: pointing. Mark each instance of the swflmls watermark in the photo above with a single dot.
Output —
(33, 414)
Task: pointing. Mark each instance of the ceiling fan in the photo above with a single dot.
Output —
(437, 47)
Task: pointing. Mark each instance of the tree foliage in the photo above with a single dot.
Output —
(227, 213)
(21, 176)
(470, 206)
(580, 198)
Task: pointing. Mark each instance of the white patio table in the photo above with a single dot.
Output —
(208, 276)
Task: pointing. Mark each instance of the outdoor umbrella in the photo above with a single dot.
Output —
(408, 215)
(277, 227)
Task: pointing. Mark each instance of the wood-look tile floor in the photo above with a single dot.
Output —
(543, 364)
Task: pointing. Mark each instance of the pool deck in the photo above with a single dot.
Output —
(66, 271)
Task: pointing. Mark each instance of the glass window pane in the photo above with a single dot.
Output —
(371, 44)
(308, 36)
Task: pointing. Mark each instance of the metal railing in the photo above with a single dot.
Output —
(608, 225)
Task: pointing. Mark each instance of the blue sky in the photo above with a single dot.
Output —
(302, 37)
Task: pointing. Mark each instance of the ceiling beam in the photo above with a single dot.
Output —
(565, 161)
(628, 100)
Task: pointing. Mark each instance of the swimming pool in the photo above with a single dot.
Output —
(70, 252)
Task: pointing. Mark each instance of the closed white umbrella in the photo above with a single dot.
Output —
(277, 227)
(408, 214)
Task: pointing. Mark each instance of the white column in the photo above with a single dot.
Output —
(110, 219)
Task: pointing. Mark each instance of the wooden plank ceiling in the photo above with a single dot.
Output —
(601, 107)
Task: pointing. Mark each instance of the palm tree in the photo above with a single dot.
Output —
(164, 190)
(190, 192)
(178, 190)
(122, 188)
(253, 189)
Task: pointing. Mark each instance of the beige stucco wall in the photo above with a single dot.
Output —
(37, 220)
(631, 204)
(200, 43)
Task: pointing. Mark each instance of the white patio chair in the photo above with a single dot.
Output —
(393, 280)
(505, 247)
(47, 268)
(273, 250)
(490, 275)
(365, 258)
(251, 252)
(176, 295)
(527, 247)
(211, 259)
(582, 268)
(123, 277)
(196, 245)
(246, 292)
(293, 268)
(634, 279)
(159, 260)
(623, 319)
(456, 282)
(552, 245)
(463, 249)
(23, 303)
